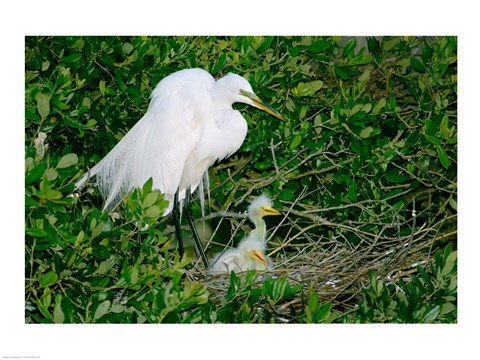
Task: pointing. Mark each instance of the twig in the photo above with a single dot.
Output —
(277, 171)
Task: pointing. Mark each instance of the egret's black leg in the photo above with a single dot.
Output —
(176, 221)
(188, 210)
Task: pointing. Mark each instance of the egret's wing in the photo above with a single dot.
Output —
(161, 142)
(181, 109)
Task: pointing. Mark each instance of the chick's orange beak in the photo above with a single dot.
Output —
(266, 210)
(258, 256)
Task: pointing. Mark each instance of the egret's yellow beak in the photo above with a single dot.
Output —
(262, 105)
(258, 256)
(266, 210)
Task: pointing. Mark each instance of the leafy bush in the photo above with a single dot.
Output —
(368, 155)
(430, 297)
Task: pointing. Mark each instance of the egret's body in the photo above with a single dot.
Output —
(250, 252)
(189, 124)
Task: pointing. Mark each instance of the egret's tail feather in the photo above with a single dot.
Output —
(113, 174)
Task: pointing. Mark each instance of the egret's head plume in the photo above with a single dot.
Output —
(261, 206)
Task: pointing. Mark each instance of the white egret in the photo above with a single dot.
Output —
(250, 252)
(189, 124)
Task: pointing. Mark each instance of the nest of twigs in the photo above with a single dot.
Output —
(335, 268)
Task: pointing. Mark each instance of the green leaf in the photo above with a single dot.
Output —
(67, 160)
(43, 104)
(264, 164)
(367, 108)
(58, 316)
(442, 155)
(323, 313)
(134, 275)
(48, 279)
(313, 300)
(449, 263)
(102, 87)
(307, 89)
(220, 64)
(417, 64)
(340, 71)
(50, 194)
(110, 91)
(319, 46)
(147, 187)
(265, 44)
(102, 309)
(119, 77)
(29, 201)
(47, 297)
(35, 232)
(150, 199)
(51, 174)
(448, 308)
(365, 76)
(43, 310)
(397, 178)
(46, 192)
(117, 308)
(445, 130)
(153, 211)
(295, 142)
(433, 140)
(453, 203)
(427, 54)
(97, 229)
(348, 49)
(72, 58)
(379, 106)
(365, 133)
(36, 173)
(312, 87)
(432, 314)
(127, 48)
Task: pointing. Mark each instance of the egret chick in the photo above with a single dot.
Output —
(248, 255)
(250, 252)
(260, 206)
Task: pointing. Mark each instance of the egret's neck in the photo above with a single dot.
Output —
(221, 96)
(261, 229)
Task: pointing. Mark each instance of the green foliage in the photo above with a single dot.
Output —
(374, 125)
(430, 297)
(101, 270)
(245, 302)
(144, 207)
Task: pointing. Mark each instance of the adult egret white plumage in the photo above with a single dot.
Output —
(250, 252)
(189, 124)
